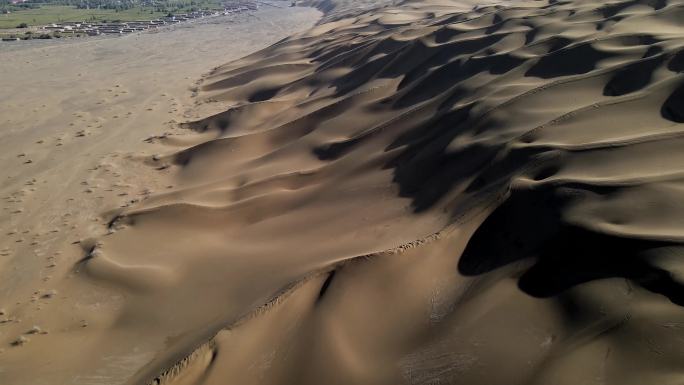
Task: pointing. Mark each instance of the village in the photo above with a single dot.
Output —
(85, 28)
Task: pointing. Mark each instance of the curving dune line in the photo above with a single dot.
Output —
(320, 279)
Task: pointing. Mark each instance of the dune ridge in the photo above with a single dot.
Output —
(525, 154)
(323, 278)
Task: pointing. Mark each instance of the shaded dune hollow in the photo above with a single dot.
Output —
(432, 192)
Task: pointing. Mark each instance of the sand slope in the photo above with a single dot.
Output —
(431, 192)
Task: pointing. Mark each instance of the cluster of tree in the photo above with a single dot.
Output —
(30, 36)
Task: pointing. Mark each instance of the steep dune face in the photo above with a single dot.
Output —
(424, 193)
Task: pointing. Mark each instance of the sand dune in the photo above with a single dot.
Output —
(417, 193)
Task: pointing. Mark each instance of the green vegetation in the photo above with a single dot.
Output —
(37, 14)
(59, 13)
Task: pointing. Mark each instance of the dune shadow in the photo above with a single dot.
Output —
(530, 224)
(634, 77)
(576, 60)
(677, 62)
(673, 108)
(263, 95)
